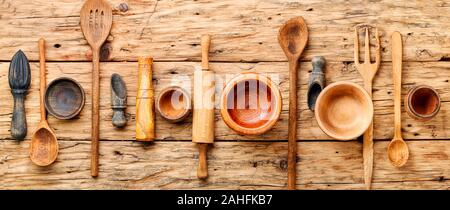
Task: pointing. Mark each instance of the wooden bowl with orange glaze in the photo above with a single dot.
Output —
(174, 104)
(250, 104)
(344, 110)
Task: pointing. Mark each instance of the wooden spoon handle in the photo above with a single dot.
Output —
(202, 171)
(42, 82)
(397, 74)
(95, 112)
(292, 130)
(145, 116)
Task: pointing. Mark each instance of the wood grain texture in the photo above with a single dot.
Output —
(145, 101)
(180, 73)
(233, 165)
(243, 30)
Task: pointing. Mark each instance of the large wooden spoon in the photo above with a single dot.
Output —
(398, 152)
(96, 21)
(44, 145)
(293, 37)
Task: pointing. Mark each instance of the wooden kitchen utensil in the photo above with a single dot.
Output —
(344, 110)
(174, 104)
(368, 71)
(118, 101)
(96, 21)
(422, 103)
(203, 113)
(250, 104)
(293, 37)
(64, 98)
(145, 111)
(398, 152)
(44, 144)
(19, 77)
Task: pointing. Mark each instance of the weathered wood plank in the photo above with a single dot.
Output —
(436, 74)
(242, 30)
(232, 165)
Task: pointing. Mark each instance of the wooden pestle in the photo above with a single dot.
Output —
(145, 114)
(203, 117)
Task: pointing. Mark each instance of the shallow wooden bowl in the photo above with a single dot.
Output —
(250, 104)
(344, 110)
(174, 104)
(64, 98)
(422, 103)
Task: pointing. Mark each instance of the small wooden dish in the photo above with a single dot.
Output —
(244, 107)
(422, 103)
(344, 110)
(64, 98)
(174, 104)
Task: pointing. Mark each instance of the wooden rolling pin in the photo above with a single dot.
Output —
(203, 119)
(145, 112)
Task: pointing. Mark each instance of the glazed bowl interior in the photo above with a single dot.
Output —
(344, 110)
(251, 104)
(64, 98)
(174, 103)
(424, 102)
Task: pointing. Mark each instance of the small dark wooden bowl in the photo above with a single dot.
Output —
(64, 98)
(174, 104)
(245, 109)
(422, 103)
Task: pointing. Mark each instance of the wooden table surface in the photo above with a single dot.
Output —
(244, 38)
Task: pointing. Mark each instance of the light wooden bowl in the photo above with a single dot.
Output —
(250, 104)
(344, 110)
(174, 104)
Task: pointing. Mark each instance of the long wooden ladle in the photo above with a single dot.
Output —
(44, 145)
(398, 151)
(96, 22)
(293, 37)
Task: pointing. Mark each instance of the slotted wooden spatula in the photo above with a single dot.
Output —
(96, 21)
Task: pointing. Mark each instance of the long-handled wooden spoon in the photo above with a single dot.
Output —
(44, 145)
(398, 152)
(293, 37)
(96, 21)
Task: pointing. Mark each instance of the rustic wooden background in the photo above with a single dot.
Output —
(244, 38)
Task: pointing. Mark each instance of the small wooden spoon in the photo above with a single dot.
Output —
(293, 37)
(398, 152)
(44, 145)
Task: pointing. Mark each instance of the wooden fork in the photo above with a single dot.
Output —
(367, 71)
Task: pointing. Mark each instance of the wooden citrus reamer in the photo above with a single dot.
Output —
(145, 112)
(368, 71)
(203, 114)
(96, 22)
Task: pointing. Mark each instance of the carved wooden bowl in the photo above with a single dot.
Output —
(250, 104)
(422, 103)
(344, 110)
(174, 104)
(64, 98)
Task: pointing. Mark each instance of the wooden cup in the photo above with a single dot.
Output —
(422, 103)
(174, 104)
